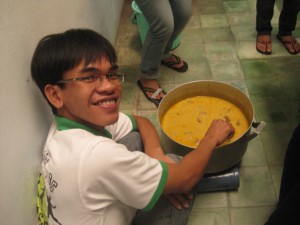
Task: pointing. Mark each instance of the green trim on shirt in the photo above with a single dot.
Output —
(134, 125)
(160, 188)
(66, 124)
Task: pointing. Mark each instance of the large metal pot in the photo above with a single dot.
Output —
(224, 156)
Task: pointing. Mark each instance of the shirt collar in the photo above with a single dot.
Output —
(66, 124)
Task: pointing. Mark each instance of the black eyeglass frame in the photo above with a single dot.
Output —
(92, 78)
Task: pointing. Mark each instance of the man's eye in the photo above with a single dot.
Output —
(113, 76)
(90, 78)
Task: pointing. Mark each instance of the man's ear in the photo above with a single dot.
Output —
(53, 93)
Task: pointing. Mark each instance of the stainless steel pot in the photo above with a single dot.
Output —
(225, 156)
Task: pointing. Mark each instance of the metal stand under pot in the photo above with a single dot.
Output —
(221, 181)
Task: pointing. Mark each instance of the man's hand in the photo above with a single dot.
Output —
(220, 130)
(179, 201)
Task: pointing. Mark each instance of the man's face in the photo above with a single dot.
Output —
(95, 104)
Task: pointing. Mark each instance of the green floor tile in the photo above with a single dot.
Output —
(220, 51)
(266, 90)
(255, 188)
(167, 76)
(124, 52)
(211, 200)
(250, 216)
(275, 145)
(255, 154)
(128, 96)
(276, 173)
(294, 107)
(240, 84)
(241, 19)
(243, 33)
(130, 38)
(236, 6)
(216, 216)
(193, 23)
(212, 9)
(193, 54)
(214, 20)
(257, 68)
(201, 71)
(222, 34)
(247, 50)
(210, 2)
(192, 36)
(132, 73)
(228, 69)
(277, 115)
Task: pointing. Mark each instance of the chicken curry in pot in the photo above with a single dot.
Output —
(187, 121)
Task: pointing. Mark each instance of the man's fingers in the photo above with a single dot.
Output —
(178, 200)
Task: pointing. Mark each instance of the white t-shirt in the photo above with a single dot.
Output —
(91, 180)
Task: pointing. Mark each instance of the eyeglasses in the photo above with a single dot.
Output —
(115, 78)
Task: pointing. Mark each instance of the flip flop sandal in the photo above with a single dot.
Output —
(152, 98)
(172, 64)
(265, 43)
(292, 43)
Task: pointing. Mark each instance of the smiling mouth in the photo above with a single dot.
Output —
(106, 102)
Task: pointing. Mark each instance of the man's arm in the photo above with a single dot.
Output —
(184, 175)
(150, 139)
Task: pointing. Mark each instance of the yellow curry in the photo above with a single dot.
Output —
(187, 121)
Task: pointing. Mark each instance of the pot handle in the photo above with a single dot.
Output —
(258, 126)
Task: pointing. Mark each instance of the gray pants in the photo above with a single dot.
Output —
(166, 20)
(163, 213)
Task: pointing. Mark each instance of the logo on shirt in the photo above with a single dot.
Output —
(44, 205)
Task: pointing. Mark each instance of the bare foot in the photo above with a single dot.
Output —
(153, 84)
(177, 62)
(264, 44)
(174, 62)
(290, 43)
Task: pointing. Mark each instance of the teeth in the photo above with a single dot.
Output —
(106, 103)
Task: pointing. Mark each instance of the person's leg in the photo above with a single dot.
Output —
(264, 14)
(132, 141)
(161, 24)
(163, 212)
(288, 17)
(287, 24)
(291, 169)
(288, 210)
(182, 11)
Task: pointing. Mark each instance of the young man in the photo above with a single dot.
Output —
(89, 177)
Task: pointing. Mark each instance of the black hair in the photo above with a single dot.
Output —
(55, 54)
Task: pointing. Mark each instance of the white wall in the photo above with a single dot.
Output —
(25, 117)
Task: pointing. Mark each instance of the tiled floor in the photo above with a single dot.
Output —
(219, 44)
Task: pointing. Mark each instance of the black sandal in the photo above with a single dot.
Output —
(291, 42)
(265, 43)
(172, 64)
(152, 98)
